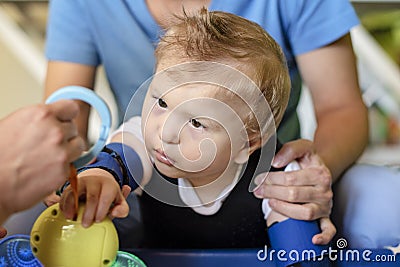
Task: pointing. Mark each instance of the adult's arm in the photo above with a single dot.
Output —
(60, 74)
(71, 51)
(342, 120)
(340, 137)
(37, 145)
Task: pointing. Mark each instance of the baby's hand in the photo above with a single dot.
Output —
(51, 199)
(101, 195)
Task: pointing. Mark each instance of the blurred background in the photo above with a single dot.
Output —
(376, 43)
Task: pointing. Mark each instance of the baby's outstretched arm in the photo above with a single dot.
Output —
(296, 236)
(104, 184)
(101, 194)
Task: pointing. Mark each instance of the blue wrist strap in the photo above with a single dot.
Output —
(107, 162)
(122, 162)
(294, 237)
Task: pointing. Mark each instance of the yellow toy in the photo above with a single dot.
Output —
(58, 242)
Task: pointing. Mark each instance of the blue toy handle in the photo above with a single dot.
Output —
(90, 97)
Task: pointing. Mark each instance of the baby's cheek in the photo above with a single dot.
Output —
(191, 150)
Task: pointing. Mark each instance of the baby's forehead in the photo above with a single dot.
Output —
(174, 73)
(223, 81)
(195, 90)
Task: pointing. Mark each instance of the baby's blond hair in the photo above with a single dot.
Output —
(227, 38)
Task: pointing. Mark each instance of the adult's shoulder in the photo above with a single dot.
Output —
(314, 24)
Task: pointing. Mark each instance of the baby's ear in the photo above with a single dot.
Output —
(252, 145)
(243, 155)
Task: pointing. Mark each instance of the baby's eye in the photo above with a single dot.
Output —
(195, 123)
(162, 103)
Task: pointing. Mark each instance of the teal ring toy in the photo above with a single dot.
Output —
(90, 97)
(125, 259)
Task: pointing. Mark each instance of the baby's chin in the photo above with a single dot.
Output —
(169, 171)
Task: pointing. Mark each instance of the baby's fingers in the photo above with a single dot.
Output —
(93, 196)
(111, 199)
(67, 204)
(126, 189)
(52, 199)
(120, 208)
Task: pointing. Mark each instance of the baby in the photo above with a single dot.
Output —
(220, 90)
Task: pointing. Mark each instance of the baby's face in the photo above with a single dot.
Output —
(191, 133)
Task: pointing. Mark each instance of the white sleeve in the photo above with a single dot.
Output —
(132, 126)
(292, 166)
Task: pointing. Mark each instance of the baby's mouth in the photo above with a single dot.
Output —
(163, 158)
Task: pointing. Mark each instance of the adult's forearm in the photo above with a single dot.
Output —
(60, 74)
(341, 137)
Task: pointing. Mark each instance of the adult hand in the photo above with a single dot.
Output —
(328, 231)
(38, 143)
(305, 194)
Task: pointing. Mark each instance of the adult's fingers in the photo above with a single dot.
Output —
(328, 232)
(69, 129)
(293, 194)
(307, 212)
(305, 177)
(75, 148)
(64, 110)
(291, 151)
